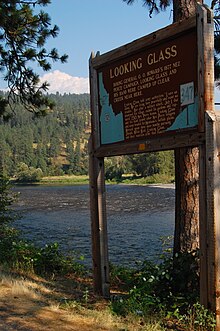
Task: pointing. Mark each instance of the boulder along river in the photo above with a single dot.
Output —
(137, 216)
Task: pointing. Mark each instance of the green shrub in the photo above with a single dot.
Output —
(7, 198)
(27, 174)
(199, 318)
(23, 255)
(50, 260)
(169, 289)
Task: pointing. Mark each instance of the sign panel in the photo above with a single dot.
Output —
(152, 92)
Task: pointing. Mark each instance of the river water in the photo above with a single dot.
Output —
(138, 216)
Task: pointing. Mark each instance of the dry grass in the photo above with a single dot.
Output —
(65, 179)
(29, 303)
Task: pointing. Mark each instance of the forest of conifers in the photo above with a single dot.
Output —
(57, 143)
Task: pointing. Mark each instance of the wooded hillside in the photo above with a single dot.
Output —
(55, 143)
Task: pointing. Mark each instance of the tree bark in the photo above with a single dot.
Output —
(186, 234)
(183, 9)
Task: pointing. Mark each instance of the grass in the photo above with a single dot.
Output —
(33, 303)
(126, 179)
(154, 179)
(66, 179)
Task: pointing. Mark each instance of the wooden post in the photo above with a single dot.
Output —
(204, 293)
(99, 226)
(217, 216)
(212, 215)
(209, 171)
(103, 228)
(205, 37)
(97, 199)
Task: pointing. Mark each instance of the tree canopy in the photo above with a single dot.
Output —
(24, 30)
(155, 6)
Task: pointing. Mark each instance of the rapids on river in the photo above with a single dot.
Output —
(137, 216)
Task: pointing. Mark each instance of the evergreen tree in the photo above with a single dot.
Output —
(71, 157)
(54, 147)
(24, 30)
(77, 162)
(7, 198)
(41, 157)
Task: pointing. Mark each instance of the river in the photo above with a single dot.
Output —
(138, 216)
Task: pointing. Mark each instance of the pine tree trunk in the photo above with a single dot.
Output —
(183, 9)
(186, 235)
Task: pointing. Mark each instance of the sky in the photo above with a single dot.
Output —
(94, 25)
(89, 26)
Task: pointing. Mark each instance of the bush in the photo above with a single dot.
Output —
(49, 260)
(7, 198)
(27, 174)
(23, 255)
(169, 289)
(115, 167)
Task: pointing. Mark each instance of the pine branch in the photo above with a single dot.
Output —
(23, 34)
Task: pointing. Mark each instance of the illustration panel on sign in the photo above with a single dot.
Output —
(112, 126)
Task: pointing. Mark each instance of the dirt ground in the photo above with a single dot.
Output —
(32, 304)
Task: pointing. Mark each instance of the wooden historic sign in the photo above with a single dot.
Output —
(153, 94)
(149, 88)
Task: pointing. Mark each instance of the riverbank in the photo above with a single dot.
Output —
(65, 180)
(28, 302)
(126, 179)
